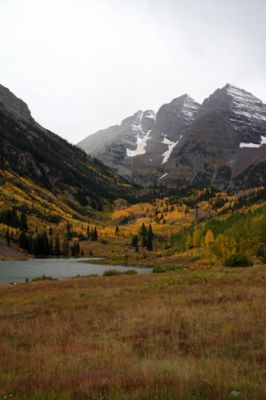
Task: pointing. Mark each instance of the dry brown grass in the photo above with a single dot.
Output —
(187, 335)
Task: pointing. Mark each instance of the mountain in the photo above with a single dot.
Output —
(224, 146)
(30, 153)
(144, 141)
(220, 143)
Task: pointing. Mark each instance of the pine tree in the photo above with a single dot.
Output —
(94, 234)
(57, 249)
(51, 246)
(134, 242)
(69, 230)
(75, 249)
(144, 235)
(66, 247)
(23, 225)
(23, 241)
(117, 230)
(7, 237)
(150, 239)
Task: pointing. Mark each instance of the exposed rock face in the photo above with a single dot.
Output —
(226, 138)
(14, 105)
(143, 142)
(221, 143)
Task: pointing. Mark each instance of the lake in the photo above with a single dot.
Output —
(17, 271)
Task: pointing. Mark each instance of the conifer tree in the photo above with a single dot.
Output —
(144, 235)
(134, 242)
(65, 247)
(23, 225)
(7, 237)
(57, 248)
(150, 239)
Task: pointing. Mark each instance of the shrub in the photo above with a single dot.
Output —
(44, 278)
(238, 260)
(113, 272)
(166, 268)
(130, 272)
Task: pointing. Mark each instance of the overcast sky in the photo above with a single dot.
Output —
(83, 65)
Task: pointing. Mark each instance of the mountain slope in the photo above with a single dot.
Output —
(221, 143)
(30, 151)
(224, 142)
(144, 141)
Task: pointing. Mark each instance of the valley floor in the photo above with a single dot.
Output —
(187, 335)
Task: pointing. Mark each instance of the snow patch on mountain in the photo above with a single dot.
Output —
(253, 145)
(190, 108)
(136, 124)
(142, 138)
(245, 104)
(163, 176)
(151, 114)
(171, 146)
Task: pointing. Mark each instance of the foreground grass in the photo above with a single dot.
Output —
(187, 335)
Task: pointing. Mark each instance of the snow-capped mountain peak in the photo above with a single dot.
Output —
(245, 104)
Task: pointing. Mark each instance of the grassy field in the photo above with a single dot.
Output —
(184, 335)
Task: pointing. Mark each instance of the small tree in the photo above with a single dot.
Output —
(65, 247)
(117, 230)
(189, 243)
(209, 238)
(23, 225)
(134, 242)
(88, 232)
(57, 249)
(150, 239)
(144, 235)
(7, 237)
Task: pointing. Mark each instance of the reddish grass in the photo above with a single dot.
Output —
(184, 335)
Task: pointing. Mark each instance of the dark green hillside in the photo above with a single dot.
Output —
(33, 152)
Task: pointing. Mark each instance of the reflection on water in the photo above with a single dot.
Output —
(16, 271)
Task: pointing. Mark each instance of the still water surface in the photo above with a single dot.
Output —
(17, 271)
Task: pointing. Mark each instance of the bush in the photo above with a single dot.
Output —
(130, 272)
(166, 268)
(237, 260)
(44, 278)
(113, 272)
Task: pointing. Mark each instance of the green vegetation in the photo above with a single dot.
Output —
(114, 272)
(44, 278)
(241, 233)
(238, 261)
(167, 268)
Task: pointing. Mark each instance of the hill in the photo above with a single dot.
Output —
(30, 153)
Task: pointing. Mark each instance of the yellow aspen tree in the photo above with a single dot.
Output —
(209, 238)
(189, 242)
(196, 238)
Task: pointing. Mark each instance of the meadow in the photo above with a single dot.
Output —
(194, 334)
